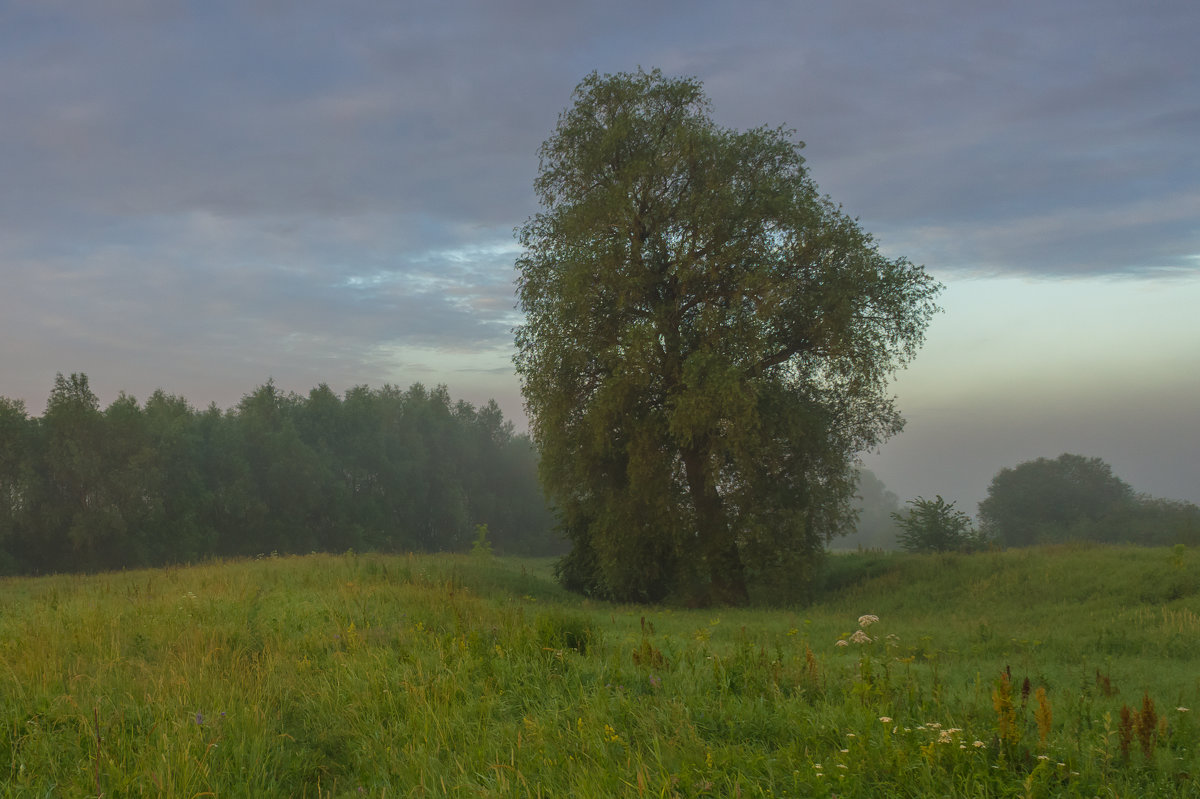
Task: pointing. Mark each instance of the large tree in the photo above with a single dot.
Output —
(1041, 500)
(707, 344)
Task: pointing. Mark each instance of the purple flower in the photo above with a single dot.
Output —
(200, 719)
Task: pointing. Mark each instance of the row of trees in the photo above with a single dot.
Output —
(83, 488)
(1068, 498)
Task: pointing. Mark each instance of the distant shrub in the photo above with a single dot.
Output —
(934, 525)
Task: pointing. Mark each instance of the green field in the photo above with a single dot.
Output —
(364, 675)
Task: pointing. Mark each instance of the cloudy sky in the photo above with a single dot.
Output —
(202, 195)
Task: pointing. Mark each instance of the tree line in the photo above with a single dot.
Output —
(84, 488)
(1050, 500)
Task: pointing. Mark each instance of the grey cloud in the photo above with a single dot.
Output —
(934, 114)
(264, 181)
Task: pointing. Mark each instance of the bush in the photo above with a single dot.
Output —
(936, 526)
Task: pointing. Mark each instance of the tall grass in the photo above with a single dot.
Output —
(1023, 673)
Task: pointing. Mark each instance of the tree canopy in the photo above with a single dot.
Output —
(132, 485)
(1073, 497)
(1025, 502)
(707, 345)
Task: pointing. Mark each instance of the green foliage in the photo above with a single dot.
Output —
(1076, 498)
(557, 630)
(370, 675)
(481, 547)
(1028, 503)
(88, 489)
(934, 525)
(707, 344)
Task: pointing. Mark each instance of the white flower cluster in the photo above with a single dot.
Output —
(860, 637)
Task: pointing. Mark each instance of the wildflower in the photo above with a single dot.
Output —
(655, 681)
(851, 735)
(886, 719)
(845, 751)
(843, 765)
(200, 719)
(1182, 709)
(842, 642)
(860, 637)
(1043, 757)
(979, 744)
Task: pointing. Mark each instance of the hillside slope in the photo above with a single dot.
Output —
(450, 675)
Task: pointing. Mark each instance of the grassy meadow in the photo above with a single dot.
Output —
(1069, 671)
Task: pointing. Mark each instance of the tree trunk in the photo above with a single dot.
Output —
(727, 575)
